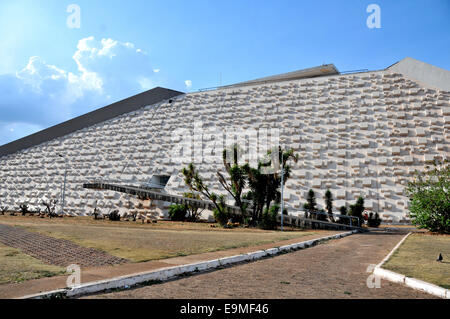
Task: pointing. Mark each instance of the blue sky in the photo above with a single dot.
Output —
(50, 72)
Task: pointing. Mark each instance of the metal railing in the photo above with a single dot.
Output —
(295, 221)
(340, 216)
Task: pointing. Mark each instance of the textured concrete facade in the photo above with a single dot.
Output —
(357, 134)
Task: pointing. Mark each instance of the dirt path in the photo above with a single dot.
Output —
(55, 251)
(336, 269)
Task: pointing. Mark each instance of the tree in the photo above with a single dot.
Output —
(238, 176)
(329, 204)
(264, 185)
(311, 204)
(429, 195)
(196, 184)
(257, 182)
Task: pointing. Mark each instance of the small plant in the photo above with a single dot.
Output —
(3, 210)
(221, 216)
(374, 220)
(114, 215)
(194, 212)
(343, 220)
(50, 207)
(96, 213)
(177, 212)
(269, 218)
(24, 209)
(195, 183)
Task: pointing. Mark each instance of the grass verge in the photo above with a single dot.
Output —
(416, 258)
(140, 245)
(143, 242)
(16, 266)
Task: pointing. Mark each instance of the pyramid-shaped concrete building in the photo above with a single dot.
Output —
(357, 134)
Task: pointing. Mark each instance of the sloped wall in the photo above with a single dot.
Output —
(359, 135)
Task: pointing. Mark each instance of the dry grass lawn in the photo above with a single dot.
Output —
(137, 242)
(416, 258)
(16, 266)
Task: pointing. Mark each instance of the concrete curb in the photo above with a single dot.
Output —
(172, 272)
(408, 281)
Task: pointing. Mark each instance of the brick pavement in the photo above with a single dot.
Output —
(59, 252)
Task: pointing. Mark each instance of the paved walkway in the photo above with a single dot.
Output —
(336, 269)
(55, 251)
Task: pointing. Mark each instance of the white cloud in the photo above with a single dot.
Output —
(156, 70)
(188, 83)
(41, 94)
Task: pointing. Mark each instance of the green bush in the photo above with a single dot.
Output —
(321, 215)
(374, 220)
(177, 212)
(114, 215)
(429, 196)
(343, 211)
(269, 217)
(221, 216)
(357, 210)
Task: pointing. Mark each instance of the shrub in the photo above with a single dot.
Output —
(50, 207)
(177, 212)
(343, 211)
(96, 213)
(3, 210)
(429, 196)
(114, 215)
(269, 217)
(374, 220)
(357, 209)
(24, 209)
(321, 215)
(193, 211)
(221, 216)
